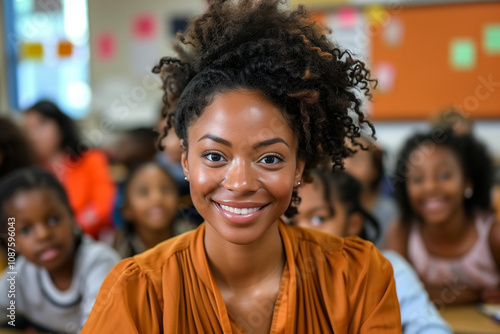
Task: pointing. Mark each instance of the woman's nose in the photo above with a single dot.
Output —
(241, 177)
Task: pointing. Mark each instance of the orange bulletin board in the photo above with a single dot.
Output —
(425, 79)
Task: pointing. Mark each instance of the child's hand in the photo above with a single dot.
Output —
(491, 296)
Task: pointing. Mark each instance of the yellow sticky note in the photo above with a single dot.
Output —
(31, 51)
(377, 14)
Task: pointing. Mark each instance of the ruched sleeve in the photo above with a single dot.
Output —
(127, 303)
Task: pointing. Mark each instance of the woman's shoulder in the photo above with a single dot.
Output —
(154, 259)
(343, 251)
(145, 271)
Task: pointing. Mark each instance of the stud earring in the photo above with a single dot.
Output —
(468, 192)
(185, 178)
(298, 184)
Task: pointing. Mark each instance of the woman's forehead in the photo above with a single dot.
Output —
(242, 115)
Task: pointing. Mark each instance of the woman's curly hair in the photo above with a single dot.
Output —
(476, 164)
(257, 45)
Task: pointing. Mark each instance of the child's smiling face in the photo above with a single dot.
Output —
(152, 198)
(242, 165)
(44, 228)
(436, 185)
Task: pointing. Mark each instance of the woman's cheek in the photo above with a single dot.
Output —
(203, 182)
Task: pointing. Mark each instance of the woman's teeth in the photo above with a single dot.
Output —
(239, 211)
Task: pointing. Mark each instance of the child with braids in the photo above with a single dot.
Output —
(262, 97)
(447, 229)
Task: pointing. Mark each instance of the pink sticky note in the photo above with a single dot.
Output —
(144, 26)
(106, 46)
(347, 16)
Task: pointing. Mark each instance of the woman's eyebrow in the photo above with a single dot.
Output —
(216, 139)
(270, 142)
(256, 146)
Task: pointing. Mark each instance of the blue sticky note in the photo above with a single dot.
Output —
(462, 54)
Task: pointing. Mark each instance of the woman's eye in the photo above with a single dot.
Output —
(52, 221)
(271, 160)
(213, 157)
(317, 220)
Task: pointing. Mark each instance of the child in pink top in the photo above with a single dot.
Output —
(447, 230)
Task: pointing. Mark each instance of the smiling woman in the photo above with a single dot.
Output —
(261, 96)
(242, 179)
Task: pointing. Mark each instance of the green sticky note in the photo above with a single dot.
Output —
(491, 38)
(462, 54)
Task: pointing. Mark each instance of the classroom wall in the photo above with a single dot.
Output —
(125, 92)
(114, 82)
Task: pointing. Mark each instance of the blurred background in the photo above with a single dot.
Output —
(94, 59)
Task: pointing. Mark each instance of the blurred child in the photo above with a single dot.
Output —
(59, 270)
(447, 230)
(331, 203)
(150, 210)
(132, 147)
(83, 172)
(367, 166)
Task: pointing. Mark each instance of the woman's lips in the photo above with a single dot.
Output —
(240, 213)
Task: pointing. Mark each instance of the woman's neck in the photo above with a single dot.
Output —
(244, 266)
(151, 238)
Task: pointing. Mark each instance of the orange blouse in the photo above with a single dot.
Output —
(328, 285)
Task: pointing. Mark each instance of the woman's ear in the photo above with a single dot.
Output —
(355, 223)
(184, 164)
(299, 170)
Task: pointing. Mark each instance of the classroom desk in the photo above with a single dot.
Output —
(468, 320)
